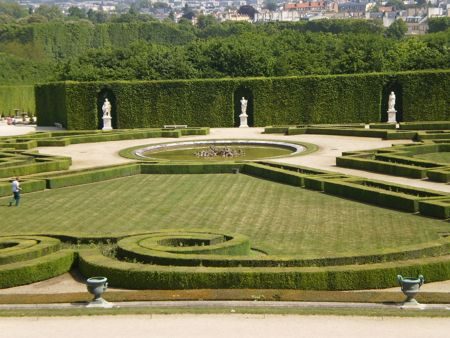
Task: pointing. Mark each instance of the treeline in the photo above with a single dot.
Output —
(150, 50)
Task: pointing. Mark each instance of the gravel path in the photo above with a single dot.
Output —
(90, 155)
(217, 326)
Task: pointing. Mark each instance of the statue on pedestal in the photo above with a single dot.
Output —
(243, 115)
(106, 108)
(392, 118)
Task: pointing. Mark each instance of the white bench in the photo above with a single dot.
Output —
(175, 126)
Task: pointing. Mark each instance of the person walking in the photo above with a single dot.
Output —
(15, 186)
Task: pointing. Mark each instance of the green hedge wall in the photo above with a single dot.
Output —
(211, 102)
(439, 175)
(439, 208)
(38, 269)
(51, 99)
(17, 97)
(387, 195)
(353, 277)
(22, 248)
(92, 176)
(431, 104)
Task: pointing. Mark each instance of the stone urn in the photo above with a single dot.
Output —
(97, 286)
(410, 287)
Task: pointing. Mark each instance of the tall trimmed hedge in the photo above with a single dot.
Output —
(280, 100)
(16, 97)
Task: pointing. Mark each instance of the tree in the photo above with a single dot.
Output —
(97, 16)
(248, 10)
(12, 9)
(438, 24)
(77, 13)
(204, 21)
(50, 12)
(397, 30)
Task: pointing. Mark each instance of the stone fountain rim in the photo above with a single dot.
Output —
(296, 148)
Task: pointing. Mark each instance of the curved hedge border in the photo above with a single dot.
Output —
(38, 269)
(28, 259)
(350, 277)
(233, 251)
(163, 247)
(20, 248)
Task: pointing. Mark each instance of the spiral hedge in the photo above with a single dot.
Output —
(208, 259)
(28, 259)
(202, 259)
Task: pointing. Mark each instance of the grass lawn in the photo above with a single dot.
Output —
(279, 219)
(441, 157)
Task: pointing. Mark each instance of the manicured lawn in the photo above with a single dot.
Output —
(279, 219)
(441, 157)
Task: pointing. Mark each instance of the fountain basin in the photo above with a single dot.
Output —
(245, 150)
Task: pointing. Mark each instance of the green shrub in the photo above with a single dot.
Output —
(439, 175)
(276, 129)
(40, 163)
(375, 192)
(347, 132)
(202, 248)
(42, 268)
(21, 248)
(388, 168)
(439, 208)
(352, 277)
(189, 168)
(92, 176)
(19, 97)
(425, 125)
(274, 174)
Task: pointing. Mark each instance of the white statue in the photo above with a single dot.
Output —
(392, 113)
(243, 116)
(106, 108)
(391, 102)
(244, 105)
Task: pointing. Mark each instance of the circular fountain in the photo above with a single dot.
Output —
(218, 150)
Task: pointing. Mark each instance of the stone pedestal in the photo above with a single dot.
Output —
(106, 122)
(392, 116)
(243, 118)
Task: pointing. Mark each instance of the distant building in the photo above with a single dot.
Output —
(305, 6)
(355, 9)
